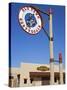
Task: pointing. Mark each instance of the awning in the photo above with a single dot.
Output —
(43, 74)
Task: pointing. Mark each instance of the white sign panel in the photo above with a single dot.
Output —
(30, 20)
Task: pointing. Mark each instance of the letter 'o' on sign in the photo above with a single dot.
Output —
(30, 19)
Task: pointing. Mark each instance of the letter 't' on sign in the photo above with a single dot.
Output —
(30, 20)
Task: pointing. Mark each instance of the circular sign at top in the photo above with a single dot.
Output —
(30, 19)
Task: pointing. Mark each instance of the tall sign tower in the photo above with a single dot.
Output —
(31, 21)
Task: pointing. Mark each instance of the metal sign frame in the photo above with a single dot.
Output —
(29, 9)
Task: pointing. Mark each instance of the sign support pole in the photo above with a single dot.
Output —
(61, 68)
(37, 29)
(51, 50)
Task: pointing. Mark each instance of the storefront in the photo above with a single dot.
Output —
(30, 75)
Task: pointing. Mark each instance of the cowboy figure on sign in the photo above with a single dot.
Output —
(30, 20)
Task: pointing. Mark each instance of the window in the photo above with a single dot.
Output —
(25, 81)
(31, 80)
(18, 77)
(55, 79)
(11, 77)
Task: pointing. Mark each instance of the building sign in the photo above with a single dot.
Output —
(43, 68)
(30, 20)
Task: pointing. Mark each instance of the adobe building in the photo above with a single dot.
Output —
(29, 74)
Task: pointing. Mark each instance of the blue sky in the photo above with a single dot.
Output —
(35, 48)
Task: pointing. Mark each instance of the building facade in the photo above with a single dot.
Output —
(29, 74)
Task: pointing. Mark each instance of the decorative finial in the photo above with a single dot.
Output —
(50, 11)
